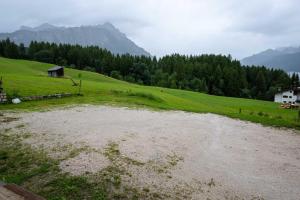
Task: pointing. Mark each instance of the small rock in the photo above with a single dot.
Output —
(16, 101)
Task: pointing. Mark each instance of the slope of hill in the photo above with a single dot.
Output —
(287, 58)
(27, 78)
(104, 36)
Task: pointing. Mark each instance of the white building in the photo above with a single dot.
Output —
(289, 96)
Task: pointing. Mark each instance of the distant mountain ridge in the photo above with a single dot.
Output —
(286, 58)
(105, 36)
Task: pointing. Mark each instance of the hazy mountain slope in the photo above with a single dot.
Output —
(287, 58)
(105, 36)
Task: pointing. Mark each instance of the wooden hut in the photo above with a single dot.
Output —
(56, 71)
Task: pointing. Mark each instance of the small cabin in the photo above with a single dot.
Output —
(56, 71)
(289, 96)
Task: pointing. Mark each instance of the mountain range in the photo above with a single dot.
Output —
(109, 37)
(105, 36)
(286, 58)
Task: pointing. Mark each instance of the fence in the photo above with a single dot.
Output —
(50, 96)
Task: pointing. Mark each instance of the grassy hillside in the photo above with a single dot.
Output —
(27, 78)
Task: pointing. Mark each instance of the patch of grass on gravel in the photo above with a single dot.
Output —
(37, 172)
(34, 170)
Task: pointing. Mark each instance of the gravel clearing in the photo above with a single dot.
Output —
(183, 155)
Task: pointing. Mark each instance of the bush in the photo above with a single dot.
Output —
(260, 113)
(87, 68)
(116, 75)
(144, 95)
(13, 94)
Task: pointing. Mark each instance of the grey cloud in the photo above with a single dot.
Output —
(269, 17)
(240, 28)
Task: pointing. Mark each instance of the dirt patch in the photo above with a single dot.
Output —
(171, 154)
(8, 119)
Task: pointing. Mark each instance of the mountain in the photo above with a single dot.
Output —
(42, 27)
(105, 36)
(286, 58)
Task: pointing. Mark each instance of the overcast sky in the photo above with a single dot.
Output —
(235, 27)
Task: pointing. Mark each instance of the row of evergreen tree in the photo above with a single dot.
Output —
(212, 74)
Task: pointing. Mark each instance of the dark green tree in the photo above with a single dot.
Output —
(261, 85)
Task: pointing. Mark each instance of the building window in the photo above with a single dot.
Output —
(290, 96)
(285, 96)
(284, 101)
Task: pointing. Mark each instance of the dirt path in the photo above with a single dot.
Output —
(178, 154)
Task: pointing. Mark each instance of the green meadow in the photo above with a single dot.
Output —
(27, 78)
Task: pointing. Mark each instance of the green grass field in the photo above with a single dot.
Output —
(27, 78)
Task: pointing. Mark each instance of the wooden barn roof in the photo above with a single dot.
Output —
(55, 68)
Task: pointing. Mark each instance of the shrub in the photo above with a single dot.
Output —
(14, 94)
(116, 75)
(144, 95)
(260, 113)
